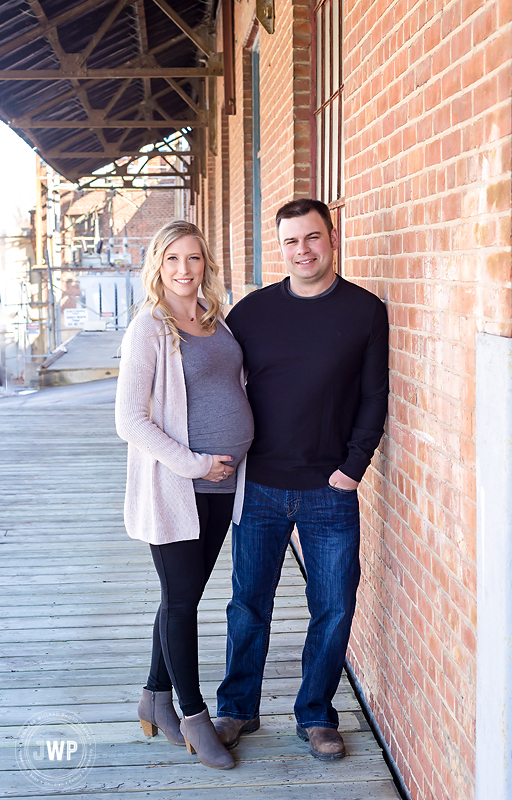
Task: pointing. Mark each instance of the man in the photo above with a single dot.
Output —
(315, 349)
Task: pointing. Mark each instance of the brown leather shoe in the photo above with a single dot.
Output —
(324, 743)
(229, 729)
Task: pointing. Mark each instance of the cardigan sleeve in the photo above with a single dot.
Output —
(132, 412)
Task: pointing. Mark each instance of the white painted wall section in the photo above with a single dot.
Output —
(494, 567)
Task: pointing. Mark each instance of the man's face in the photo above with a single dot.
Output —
(306, 247)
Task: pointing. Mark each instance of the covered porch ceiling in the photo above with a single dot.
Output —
(88, 83)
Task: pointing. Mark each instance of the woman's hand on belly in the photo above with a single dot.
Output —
(219, 470)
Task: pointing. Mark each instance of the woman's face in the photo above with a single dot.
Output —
(182, 268)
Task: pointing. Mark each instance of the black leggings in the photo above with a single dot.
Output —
(184, 569)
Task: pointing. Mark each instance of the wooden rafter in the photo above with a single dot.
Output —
(73, 69)
(51, 34)
(117, 96)
(82, 73)
(50, 25)
(100, 33)
(140, 16)
(56, 101)
(93, 178)
(112, 152)
(127, 124)
(184, 96)
(198, 40)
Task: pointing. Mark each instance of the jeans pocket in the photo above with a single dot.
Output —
(339, 490)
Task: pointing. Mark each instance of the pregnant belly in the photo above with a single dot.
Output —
(222, 446)
(229, 440)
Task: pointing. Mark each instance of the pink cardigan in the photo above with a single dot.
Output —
(151, 415)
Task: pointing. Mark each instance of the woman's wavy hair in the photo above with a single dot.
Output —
(212, 287)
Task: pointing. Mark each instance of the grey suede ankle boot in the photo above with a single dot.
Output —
(201, 738)
(156, 710)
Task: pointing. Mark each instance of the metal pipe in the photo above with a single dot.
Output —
(229, 57)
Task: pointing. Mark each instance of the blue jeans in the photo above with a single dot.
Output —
(328, 523)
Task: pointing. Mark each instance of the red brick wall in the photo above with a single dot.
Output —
(223, 198)
(285, 149)
(428, 147)
(285, 70)
(240, 156)
(211, 205)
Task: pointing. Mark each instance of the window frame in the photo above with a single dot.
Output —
(335, 195)
(335, 198)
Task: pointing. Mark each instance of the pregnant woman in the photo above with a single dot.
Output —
(182, 408)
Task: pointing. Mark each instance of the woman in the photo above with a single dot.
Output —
(181, 406)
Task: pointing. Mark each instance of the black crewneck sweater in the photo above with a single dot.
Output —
(317, 382)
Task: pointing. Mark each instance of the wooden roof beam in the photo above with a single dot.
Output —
(184, 96)
(214, 69)
(126, 124)
(142, 32)
(113, 153)
(127, 181)
(100, 33)
(195, 37)
(56, 101)
(42, 29)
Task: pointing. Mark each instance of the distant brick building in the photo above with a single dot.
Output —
(122, 221)
(399, 116)
(94, 241)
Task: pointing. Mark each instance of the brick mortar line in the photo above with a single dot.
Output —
(410, 648)
(434, 448)
(487, 250)
(465, 559)
(419, 384)
(421, 691)
(425, 492)
(428, 415)
(435, 715)
(410, 42)
(437, 503)
(396, 27)
(433, 607)
(431, 629)
(480, 184)
(437, 609)
(440, 106)
(442, 225)
(437, 137)
(487, 215)
(434, 336)
(422, 88)
(419, 463)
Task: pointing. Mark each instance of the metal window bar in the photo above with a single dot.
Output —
(327, 133)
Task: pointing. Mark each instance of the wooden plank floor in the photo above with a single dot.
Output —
(77, 599)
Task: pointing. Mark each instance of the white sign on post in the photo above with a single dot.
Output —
(75, 317)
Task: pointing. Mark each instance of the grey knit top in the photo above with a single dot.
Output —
(219, 416)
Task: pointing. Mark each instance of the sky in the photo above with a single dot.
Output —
(17, 180)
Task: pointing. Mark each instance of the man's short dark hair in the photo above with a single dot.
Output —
(301, 207)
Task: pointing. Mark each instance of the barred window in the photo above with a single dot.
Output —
(328, 103)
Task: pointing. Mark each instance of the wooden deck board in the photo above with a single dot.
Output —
(78, 599)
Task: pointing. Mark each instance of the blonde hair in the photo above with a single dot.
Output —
(212, 287)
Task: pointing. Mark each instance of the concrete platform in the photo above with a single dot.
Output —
(88, 356)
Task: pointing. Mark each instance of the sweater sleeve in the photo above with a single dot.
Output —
(133, 420)
(369, 423)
